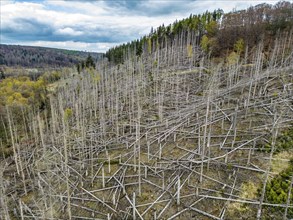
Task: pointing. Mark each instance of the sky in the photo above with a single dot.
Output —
(96, 25)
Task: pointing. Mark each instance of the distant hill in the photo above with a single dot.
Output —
(29, 56)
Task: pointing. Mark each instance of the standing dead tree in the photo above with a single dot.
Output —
(156, 137)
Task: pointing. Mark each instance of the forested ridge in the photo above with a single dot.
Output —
(218, 29)
(41, 57)
(193, 121)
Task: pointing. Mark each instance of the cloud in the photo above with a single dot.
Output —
(227, 5)
(157, 8)
(71, 45)
(92, 24)
(69, 31)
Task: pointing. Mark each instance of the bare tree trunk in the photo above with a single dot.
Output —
(288, 199)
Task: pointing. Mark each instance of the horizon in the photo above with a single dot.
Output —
(96, 26)
(54, 48)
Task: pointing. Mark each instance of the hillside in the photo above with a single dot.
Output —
(175, 125)
(41, 57)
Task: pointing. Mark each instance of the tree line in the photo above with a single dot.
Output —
(218, 30)
(36, 57)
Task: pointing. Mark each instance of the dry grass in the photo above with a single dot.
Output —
(280, 161)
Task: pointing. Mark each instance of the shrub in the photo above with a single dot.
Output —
(22, 91)
(277, 191)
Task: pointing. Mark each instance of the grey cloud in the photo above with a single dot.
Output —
(130, 5)
(22, 29)
(26, 29)
(151, 7)
(106, 22)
